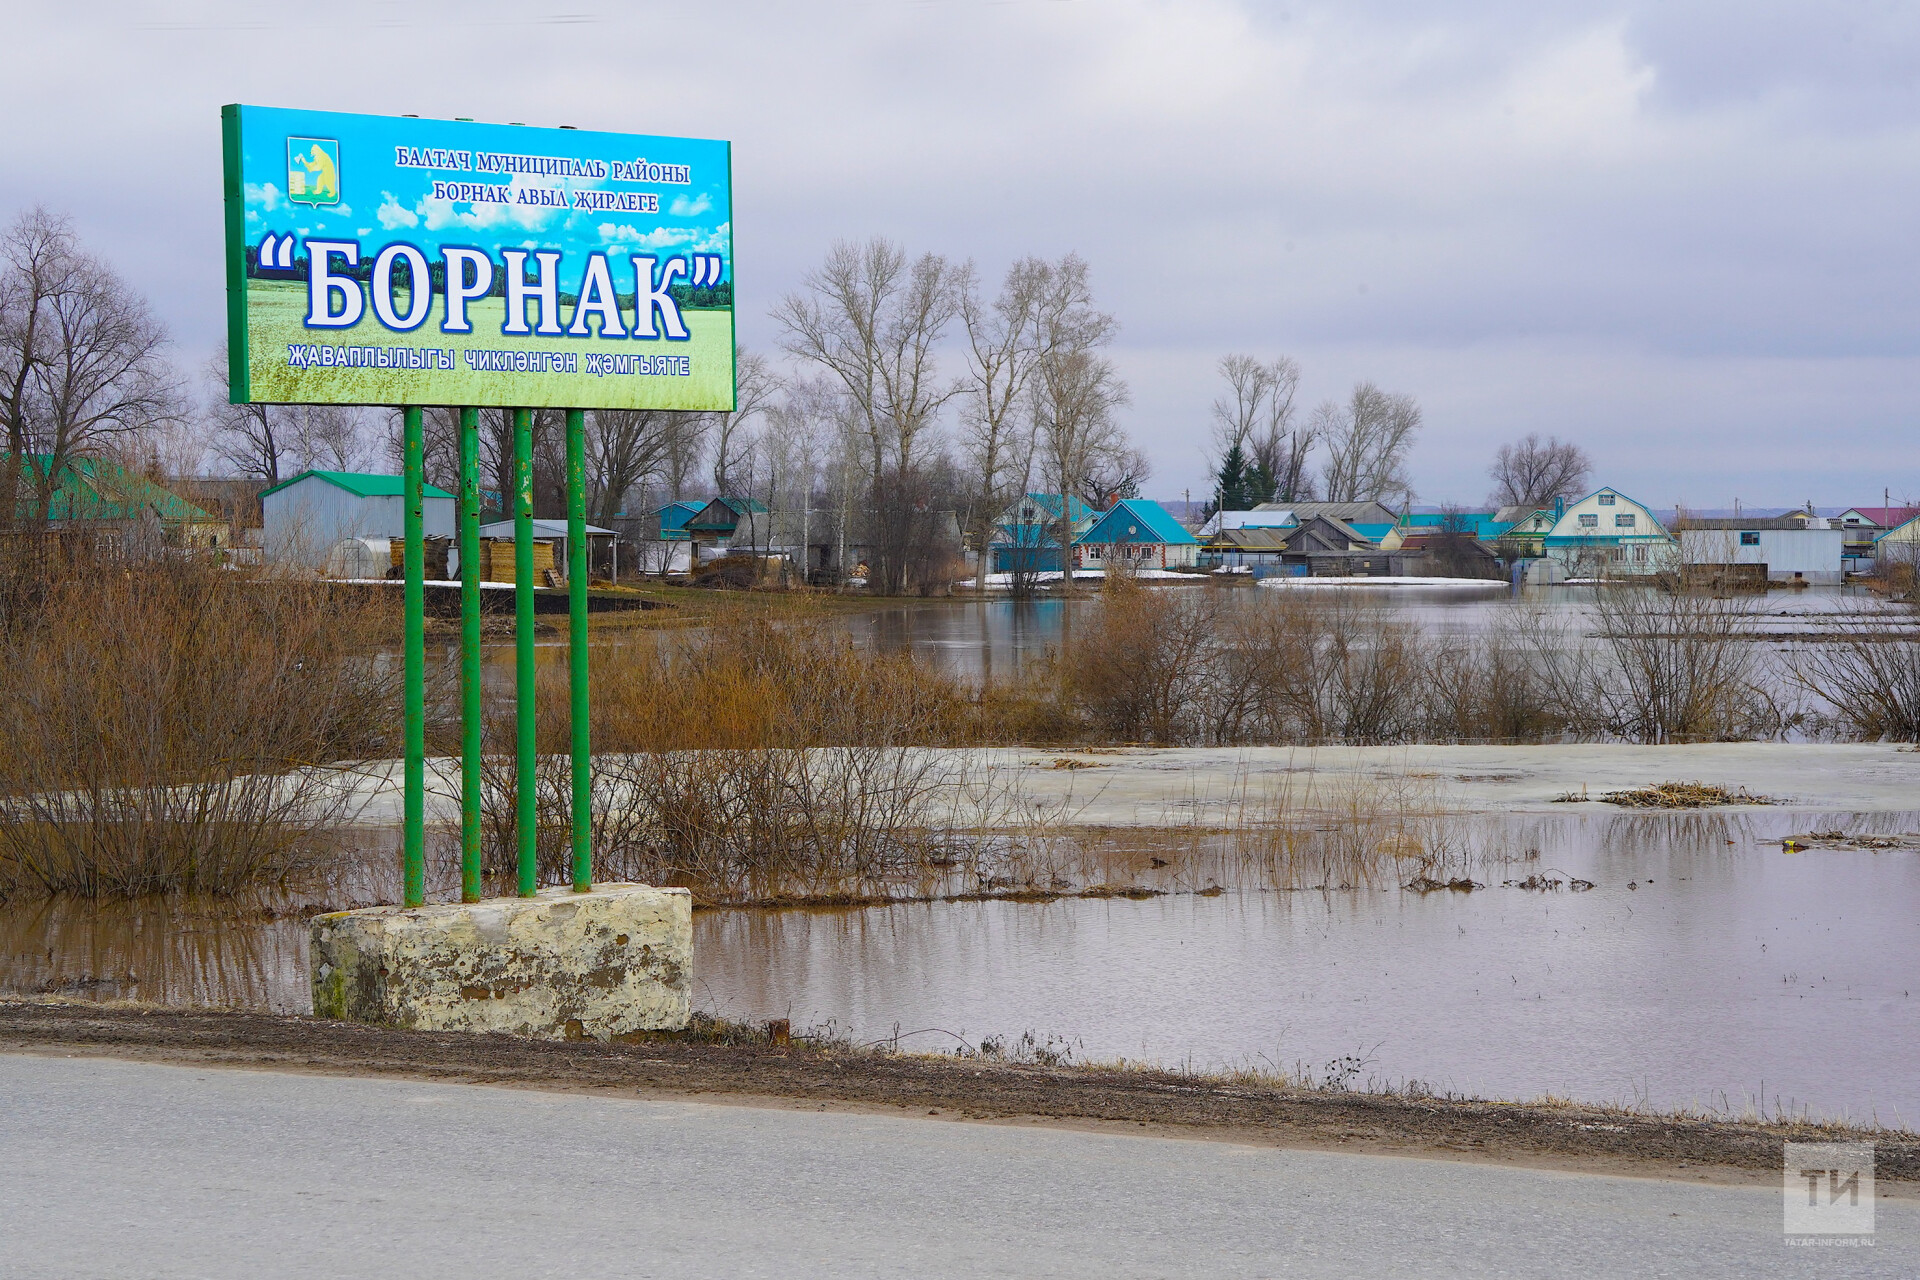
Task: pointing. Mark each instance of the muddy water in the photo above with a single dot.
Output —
(1707, 967)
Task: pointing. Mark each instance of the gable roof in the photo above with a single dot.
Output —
(1364, 512)
(361, 484)
(1253, 538)
(723, 514)
(102, 489)
(1048, 504)
(1137, 520)
(1883, 517)
(1602, 533)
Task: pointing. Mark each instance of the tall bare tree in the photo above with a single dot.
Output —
(1076, 392)
(1367, 441)
(754, 385)
(624, 448)
(81, 359)
(685, 446)
(873, 318)
(1532, 472)
(1257, 417)
(1003, 343)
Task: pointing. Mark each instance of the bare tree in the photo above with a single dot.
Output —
(685, 444)
(1002, 344)
(1114, 472)
(754, 385)
(624, 447)
(1257, 416)
(81, 357)
(1532, 472)
(254, 440)
(872, 319)
(798, 440)
(1367, 441)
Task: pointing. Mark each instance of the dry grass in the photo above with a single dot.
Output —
(172, 725)
(1683, 795)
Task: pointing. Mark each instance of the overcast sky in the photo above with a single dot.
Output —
(1681, 234)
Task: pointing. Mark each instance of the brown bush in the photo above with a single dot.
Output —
(173, 725)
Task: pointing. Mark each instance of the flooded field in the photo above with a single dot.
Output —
(994, 639)
(1707, 966)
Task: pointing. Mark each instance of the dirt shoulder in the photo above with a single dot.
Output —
(799, 1075)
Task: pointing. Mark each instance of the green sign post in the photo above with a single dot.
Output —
(397, 261)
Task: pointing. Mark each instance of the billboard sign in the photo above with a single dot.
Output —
(394, 260)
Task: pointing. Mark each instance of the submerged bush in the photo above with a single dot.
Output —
(171, 726)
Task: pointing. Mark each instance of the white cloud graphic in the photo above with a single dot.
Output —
(685, 208)
(394, 215)
(264, 194)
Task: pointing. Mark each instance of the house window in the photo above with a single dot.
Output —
(1750, 539)
(1623, 522)
(1639, 555)
(1606, 499)
(1589, 522)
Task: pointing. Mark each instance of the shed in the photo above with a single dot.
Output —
(554, 531)
(1789, 549)
(309, 515)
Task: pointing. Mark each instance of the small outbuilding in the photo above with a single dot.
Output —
(307, 517)
(554, 533)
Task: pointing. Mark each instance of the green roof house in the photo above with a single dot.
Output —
(100, 490)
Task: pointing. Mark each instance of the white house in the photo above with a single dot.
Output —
(1607, 534)
(1793, 549)
(307, 516)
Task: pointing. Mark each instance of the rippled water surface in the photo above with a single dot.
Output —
(1707, 967)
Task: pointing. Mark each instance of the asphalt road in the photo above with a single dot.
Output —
(113, 1168)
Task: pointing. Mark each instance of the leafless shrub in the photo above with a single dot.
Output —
(1869, 677)
(775, 761)
(176, 726)
(1671, 667)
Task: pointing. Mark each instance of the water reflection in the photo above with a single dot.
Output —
(1707, 967)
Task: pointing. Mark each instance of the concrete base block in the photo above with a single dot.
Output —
(560, 966)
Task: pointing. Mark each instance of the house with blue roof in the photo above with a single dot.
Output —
(1026, 538)
(1136, 534)
(674, 517)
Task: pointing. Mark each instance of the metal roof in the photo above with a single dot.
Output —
(541, 529)
(1132, 518)
(361, 484)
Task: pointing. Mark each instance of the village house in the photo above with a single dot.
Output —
(1899, 545)
(1136, 534)
(1026, 537)
(1863, 527)
(100, 495)
(1319, 546)
(1371, 520)
(1607, 534)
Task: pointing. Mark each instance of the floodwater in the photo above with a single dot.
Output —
(993, 639)
(1706, 967)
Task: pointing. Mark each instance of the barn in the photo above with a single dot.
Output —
(307, 516)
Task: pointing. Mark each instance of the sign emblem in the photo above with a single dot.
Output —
(313, 171)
